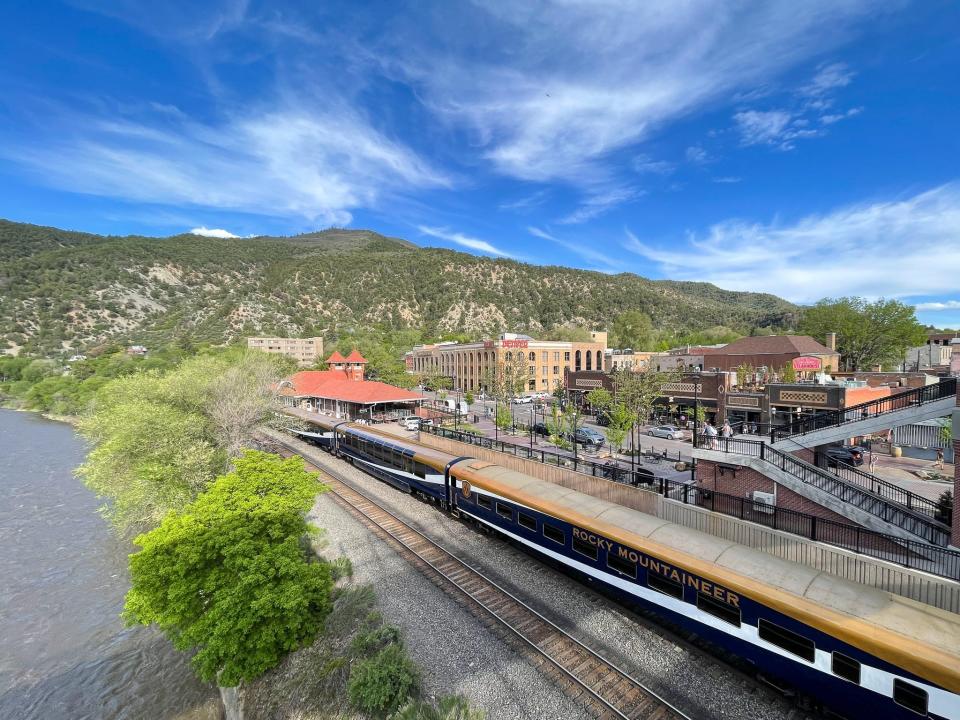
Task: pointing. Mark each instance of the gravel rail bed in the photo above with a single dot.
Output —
(455, 651)
(670, 665)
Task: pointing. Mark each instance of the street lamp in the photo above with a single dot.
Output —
(696, 409)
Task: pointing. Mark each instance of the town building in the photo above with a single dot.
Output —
(468, 365)
(627, 359)
(773, 352)
(341, 391)
(137, 350)
(305, 351)
(932, 356)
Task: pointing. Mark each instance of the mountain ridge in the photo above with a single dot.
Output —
(65, 291)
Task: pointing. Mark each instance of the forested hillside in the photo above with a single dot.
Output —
(64, 291)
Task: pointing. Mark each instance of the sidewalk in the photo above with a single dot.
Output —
(901, 471)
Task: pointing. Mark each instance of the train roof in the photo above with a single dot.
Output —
(908, 633)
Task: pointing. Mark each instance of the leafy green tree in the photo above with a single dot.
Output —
(621, 420)
(162, 437)
(503, 417)
(227, 577)
(567, 333)
(788, 375)
(468, 396)
(640, 391)
(868, 333)
(599, 399)
(632, 329)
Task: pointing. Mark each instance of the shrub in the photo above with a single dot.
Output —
(380, 685)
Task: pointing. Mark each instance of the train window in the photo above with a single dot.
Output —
(624, 567)
(910, 696)
(787, 639)
(527, 521)
(484, 501)
(554, 533)
(584, 548)
(665, 585)
(846, 667)
(505, 511)
(719, 609)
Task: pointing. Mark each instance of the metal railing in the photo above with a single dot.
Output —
(942, 390)
(609, 469)
(887, 509)
(881, 487)
(908, 553)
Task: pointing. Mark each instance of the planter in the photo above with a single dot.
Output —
(680, 466)
(896, 451)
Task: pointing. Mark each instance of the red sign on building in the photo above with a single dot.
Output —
(514, 343)
(807, 363)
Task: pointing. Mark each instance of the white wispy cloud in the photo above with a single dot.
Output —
(283, 161)
(601, 202)
(213, 232)
(645, 164)
(626, 69)
(895, 248)
(697, 155)
(773, 127)
(828, 78)
(527, 202)
(935, 306)
(727, 179)
(582, 248)
(462, 240)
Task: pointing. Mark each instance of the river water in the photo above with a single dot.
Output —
(64, 652)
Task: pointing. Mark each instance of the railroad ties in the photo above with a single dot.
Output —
(603, 689)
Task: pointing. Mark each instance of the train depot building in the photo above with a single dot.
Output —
(341, 391)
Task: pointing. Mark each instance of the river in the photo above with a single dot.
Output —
(64, 652)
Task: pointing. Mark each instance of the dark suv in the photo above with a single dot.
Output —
(844, 454)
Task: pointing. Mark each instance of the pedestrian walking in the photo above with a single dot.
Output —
(711, 432)
(939, 463)
(726, 431)
(873, 463)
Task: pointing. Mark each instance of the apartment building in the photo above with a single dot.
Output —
(467, 364)
(304, 350)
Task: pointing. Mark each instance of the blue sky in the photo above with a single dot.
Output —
(806, 149)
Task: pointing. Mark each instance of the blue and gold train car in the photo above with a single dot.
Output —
(861, 652)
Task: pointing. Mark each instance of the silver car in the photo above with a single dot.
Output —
(670, 432)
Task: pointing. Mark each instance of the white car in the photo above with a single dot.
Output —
(523, 400)
(410, 422)
(670, 432)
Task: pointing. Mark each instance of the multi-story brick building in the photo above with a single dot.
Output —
(304, 350)
(469, 364)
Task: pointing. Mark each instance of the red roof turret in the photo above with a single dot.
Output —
(336, 357)
(355, 357)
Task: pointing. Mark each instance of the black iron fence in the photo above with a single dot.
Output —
(908, 553)
(888, 490)
(884, 500)
(946, 388)
(610, 469)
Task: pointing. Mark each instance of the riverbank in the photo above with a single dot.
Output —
(67, 652)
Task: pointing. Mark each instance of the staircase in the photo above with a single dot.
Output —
(866, 501)
(911, 406)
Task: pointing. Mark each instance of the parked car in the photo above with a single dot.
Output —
(411, 422)
(851, 455)
(540, 429)
(670, 432)
(588, 436)
(602, 419)
(523, 400)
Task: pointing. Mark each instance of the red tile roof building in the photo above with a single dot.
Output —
(342, 391)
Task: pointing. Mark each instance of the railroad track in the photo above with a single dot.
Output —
(602, 688)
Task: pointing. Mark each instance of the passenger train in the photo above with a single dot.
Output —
(859, 651)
